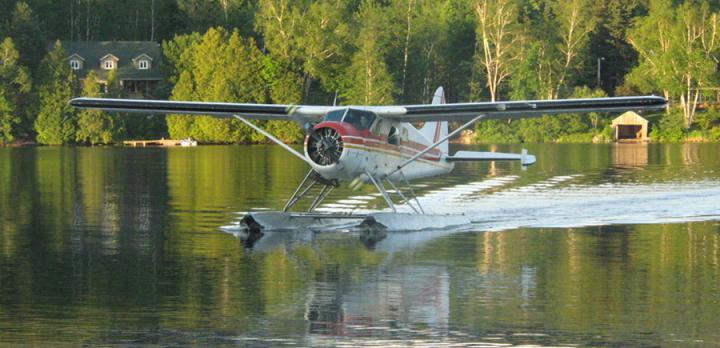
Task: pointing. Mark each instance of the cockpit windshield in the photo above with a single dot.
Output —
(360, 119)
(335, 115)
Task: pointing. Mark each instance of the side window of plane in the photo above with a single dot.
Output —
(393, 136)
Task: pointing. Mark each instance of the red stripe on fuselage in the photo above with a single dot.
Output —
(364, 137)
(395, 149)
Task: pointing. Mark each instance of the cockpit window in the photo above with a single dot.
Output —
(360, 119)
(335, 115)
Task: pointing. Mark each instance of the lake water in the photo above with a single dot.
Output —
(595, 245)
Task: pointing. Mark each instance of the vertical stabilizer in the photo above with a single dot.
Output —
(434, 131)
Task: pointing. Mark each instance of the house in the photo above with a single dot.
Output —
(137, 63)
(630, 127)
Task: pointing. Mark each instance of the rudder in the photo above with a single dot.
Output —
(435, 131)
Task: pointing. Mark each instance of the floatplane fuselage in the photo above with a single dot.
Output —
(362, 145)
(375, 144)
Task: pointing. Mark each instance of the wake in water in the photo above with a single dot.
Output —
(494, 204)
(499, 203)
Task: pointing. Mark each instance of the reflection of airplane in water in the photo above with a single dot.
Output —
(411, 294)
(375, 145)
(395, 294)
(375, 239)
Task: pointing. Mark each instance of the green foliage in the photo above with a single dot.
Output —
(608, 133)
(572, 128)
(56, 122)
(678, 52)
(368, 52)
(497, 131)
(95, 126)
(557, 37)
(284, 84)
(708, 119)
(7, 121)
(15, 88)
(712, 134)
(368, 79)
(177, 54)
(24, 29)
(325, 41)
(670, 129)
(577, 138)
(199, 15)
(221, 66)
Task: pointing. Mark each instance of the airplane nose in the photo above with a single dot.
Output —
(325, 146)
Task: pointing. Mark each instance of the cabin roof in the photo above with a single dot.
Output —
(629, 118)
(125, 52)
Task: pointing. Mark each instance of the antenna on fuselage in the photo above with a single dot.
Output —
(335, 99)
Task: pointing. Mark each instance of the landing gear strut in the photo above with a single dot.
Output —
(311, 179)
(416, 207)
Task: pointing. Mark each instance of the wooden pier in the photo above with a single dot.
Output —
(160, 142)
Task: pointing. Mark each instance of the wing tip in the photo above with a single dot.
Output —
(76, 102)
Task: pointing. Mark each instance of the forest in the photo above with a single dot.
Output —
(365, 52)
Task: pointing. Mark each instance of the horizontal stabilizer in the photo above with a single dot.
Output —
(523, 157)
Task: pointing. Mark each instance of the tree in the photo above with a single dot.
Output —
(679, 52)
(609, 43)
(558, 34)
(7, 121)
(368, 81)
(178, 55)
(222, 66)
(25, 30)
(95, 126)
(576, 21)
(15, 85)
(424, 51)
(281, 22)
(499, 39)
(326, 43)
(56, 122)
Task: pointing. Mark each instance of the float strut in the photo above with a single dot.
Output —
(381, 188)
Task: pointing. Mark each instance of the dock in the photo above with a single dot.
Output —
(160, 142)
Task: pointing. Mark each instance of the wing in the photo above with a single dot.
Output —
(517, 109)
(227, 110)
(406, 113)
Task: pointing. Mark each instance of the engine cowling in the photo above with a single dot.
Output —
(325, 146)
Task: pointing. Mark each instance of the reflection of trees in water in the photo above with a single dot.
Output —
(164, 266)
(567, 281)
(594, 277)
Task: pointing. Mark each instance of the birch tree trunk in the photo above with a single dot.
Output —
(577, 24)
(406, 49)
(497, 37)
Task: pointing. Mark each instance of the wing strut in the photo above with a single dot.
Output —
(436, 144)
(274, 139)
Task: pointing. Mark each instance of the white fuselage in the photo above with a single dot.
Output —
(374, 152)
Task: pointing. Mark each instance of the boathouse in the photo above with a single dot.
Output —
(630, 127)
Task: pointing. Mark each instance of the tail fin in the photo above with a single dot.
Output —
(435, 131)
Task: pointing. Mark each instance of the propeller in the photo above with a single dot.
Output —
(325, 146)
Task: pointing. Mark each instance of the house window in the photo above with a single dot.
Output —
(143, 64)
(75, 64)
(108, 64)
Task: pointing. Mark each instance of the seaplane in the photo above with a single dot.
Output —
(377, 145)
